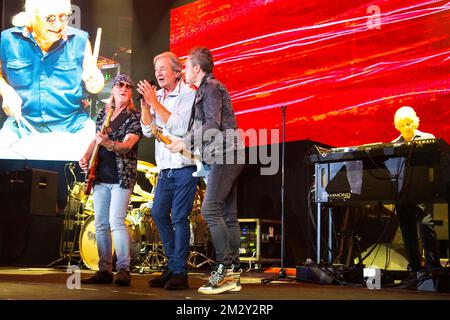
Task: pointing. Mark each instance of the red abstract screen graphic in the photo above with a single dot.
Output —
(342, 68)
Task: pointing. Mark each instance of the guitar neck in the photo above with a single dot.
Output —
(166, 140)
(94, 155)
(186, 153)
(93, 160)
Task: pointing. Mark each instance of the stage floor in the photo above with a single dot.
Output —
(51, 284)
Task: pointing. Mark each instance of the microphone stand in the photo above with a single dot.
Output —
(282, 272)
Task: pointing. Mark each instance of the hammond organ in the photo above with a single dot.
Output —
(381, 173)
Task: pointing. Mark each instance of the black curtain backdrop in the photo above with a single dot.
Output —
(259, 196)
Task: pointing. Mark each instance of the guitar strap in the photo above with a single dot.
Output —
(117, 122)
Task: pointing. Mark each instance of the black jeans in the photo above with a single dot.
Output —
(410, 216)
(219, 208)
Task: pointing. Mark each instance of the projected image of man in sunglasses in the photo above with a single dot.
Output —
(44, 87)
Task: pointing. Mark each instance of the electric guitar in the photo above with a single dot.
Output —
(202, 170)
(93, 162)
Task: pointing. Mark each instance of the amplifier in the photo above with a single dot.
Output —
(260, 241)
(110, 69)
(31, 192)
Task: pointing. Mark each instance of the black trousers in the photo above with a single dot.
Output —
(410, 217)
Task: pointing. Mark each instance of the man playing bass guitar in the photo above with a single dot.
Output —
(114, 179)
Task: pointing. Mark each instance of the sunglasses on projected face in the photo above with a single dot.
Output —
(51, 18)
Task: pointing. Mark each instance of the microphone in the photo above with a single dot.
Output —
(72, 168)
(140, 96)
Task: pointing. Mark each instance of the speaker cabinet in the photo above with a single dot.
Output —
(29, 240)
(32, 192)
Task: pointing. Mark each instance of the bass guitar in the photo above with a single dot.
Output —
(93, 162)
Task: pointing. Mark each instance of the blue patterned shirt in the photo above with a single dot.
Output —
(127, 163)
(49, 83)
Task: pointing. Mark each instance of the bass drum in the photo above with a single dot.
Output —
(88, 243)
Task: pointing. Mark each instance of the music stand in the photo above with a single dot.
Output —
(282, 273)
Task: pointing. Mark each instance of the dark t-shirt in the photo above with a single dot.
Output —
(107, 167)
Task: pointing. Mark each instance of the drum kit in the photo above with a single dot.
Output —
(146, 250)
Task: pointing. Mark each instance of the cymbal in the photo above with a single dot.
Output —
(136, 198)
(144, 166)
(153, 170)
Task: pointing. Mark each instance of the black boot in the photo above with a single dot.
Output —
(160, 281)
(100, 277)
(177, 282)
(123, 278)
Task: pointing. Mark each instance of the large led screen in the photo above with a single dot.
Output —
(342, 68)
(48, 129)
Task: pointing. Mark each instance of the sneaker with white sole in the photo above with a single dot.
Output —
(221, 280)
(237, 280)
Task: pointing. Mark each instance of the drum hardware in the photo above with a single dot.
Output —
(199, 235)
(197, 259)
(77, 191)
(74, 218)
(192, 260)
(154, 259)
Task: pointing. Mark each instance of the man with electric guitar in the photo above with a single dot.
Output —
(213, 130)
(111, 164)
(166, 114)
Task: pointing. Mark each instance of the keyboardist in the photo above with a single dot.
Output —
(411, 215)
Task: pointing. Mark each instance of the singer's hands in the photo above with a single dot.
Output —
(148, 92)
(146, 115)
(176, 146)
(144, 104)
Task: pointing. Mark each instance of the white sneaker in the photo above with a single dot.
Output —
(237, 280)
(221, 280)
